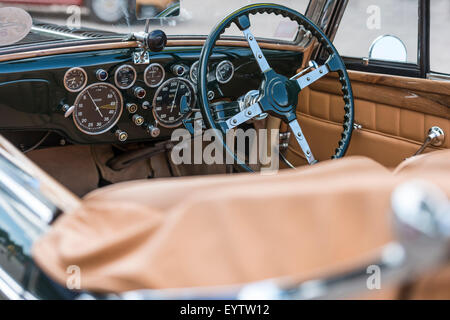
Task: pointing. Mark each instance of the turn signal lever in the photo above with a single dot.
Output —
(436, 137)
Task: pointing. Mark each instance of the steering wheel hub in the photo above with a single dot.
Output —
(279, 94)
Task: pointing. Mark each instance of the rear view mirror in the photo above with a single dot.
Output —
(154, 9)
(389, 48)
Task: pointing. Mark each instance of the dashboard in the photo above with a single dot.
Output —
(104, 97)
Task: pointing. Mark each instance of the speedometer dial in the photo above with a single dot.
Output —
(75, 79)
(167, 100)
(97, 108)
(125, 76)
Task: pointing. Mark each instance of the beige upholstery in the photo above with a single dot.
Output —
(395, 114)
(225, 230)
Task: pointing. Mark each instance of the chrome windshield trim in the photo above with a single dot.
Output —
(58, 33)
(41, 211)
(13, 290)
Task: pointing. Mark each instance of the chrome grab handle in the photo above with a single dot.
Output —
(436, 137)
(421, 215)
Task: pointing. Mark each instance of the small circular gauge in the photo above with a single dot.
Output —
(97, 108)
(75, 79)
(224, 71)
(194, 71)
(167, 101)
(154, 75)
(125, 76)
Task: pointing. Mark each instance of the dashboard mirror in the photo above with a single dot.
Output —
(389, 48)
(156, 9)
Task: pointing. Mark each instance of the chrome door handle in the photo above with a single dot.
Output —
(436, 137)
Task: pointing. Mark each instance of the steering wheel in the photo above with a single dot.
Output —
(278, 95)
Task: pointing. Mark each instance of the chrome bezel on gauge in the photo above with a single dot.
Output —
(117, 72)
(190, 71)
(220, 65)
(163, 75)
(84, 83)
(113, 123)
(178, 122)
(192, 68)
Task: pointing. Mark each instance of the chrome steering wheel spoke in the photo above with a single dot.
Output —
(311, 77)
(256, 50)
(245, 115)
(301, 140)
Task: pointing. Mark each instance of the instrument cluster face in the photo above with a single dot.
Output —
(149, 95)
(97, 108)
(168, 100)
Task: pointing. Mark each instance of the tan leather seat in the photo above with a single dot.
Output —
(226, 230)
(435, 161)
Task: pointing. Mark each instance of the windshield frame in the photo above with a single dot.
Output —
(318, 11)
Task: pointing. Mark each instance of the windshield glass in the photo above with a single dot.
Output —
(78, 19)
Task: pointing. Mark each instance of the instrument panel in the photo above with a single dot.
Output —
(98, 107)
(104, 97)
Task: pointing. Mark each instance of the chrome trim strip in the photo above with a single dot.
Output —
(58, 33)
(33, 203)
(13, 290)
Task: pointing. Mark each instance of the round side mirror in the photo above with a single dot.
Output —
(389, 48)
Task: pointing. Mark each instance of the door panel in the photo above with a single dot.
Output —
(395, 113)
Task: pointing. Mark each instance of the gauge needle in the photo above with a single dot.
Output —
(96, 107)
(175, 97)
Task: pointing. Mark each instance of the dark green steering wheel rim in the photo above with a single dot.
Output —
(335, 65)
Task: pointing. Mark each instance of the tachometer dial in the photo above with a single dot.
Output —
(97, 108)
(167, 100)
(154, 75)
(224, 71)
(75, 79)
(125, 76)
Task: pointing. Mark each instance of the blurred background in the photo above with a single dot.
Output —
(363, 22)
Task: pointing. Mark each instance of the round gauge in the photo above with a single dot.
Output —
(194, 71)
(167, 100)
(224, 71)
(97, 108)
(154, 75)
(125, 76)
(75, 79)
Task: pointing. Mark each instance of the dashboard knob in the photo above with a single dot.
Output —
(101, 75)
(68, 110)
(146, 105)
(138, 120)
(139, 92)
(156, 40)
(132, 107)
(121, 135)
(179, 70)
(153, 131)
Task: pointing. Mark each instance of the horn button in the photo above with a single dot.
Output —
(280, 94)
(280, 97)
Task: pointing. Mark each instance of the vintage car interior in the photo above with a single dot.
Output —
(87, 127)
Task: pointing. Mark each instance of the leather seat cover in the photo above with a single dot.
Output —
(226, 230)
